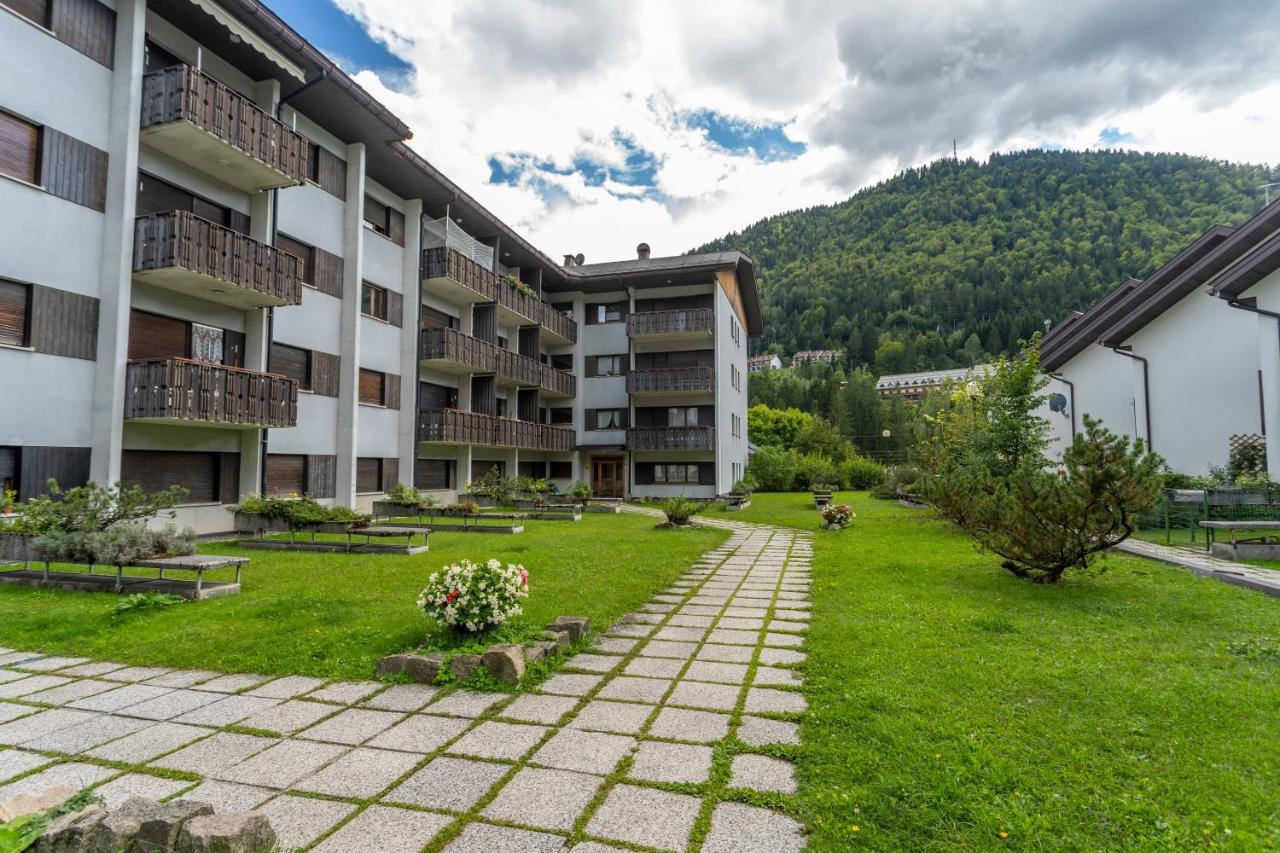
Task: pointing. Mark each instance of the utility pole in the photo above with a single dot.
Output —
(1266, 189)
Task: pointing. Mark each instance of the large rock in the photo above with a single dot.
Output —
(505, 662)
(464, 666)
(536, 652)
(421, 668)
(24, 804)
(72, 833)
(559, 636)
(246, 832)
(577, 626)
(160, 825)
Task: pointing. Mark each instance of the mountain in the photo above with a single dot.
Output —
(951, 262)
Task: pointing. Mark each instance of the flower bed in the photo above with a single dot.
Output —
(836, 516)
(475, 596)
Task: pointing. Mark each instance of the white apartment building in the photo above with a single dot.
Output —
(221, 267)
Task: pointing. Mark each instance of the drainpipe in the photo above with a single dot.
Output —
(1146, 391)
(1071, 386)
(1235, 303)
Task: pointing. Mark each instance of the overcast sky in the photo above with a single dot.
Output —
(591, 125)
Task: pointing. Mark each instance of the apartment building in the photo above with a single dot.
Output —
(222, 267)
(913, 386)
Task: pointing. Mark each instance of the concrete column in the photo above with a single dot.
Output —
(411, 283)
(116, 283)
(256, 335)
(349, 348)
(1269, 365)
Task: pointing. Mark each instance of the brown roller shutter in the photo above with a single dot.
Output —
(15, 300)
(395, 308)
(235, 220)
(430, 318)
(328, 273)
(32, 10)
(228, 477)
(153, 336)
(706, 473)
(156, 470)
(368, 474)
(305, 254)
(293, 363)
(433, 474)
(19, 148)
(372, 387)
(66, 466)
(433, 396)
(286, 474)
(391, 391)
(706, 416)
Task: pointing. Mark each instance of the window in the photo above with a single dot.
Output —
(610, 365)
(565, 308)
(286, 474)
(735, 424)
(373, 301)
(293, 362)
(373, 387)
(19, 148)
(560, 415)
(606, 312)
(155, 57)
(535, 470)
(434, 474)
(377, 216)
(679, 416)
(675, 473)
(560, 470)
(15, 309)
(562, 362)
(8, 469)
(368, 475)
(305, 254)
(207, 477)
(610, 418)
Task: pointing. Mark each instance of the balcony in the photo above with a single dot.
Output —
(671, 438)
(180, 251)
(195, 119)
(675, 380)
(461, 279)
(179, 390)
(682, 325)
(450, 351)
(453, 426)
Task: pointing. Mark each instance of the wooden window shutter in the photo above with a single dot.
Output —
(368, 474)
(62, 323)
(86, 26)
(152, 336)
(15, 305)
(329, 171)
(433, 473)
(706, 416)
(305, 254)
(589, 415)
(623, 414)
(228, 478)
(73, 170)
(391, 391)
(322, 476)
(395, 308)
(325, 368)
(372, 387)
(433, 396)
(67, 466)
(395, 226)
(590, 363)
(238, 222)
(328, 272)
(19, 148)
(286, 474)
(390, 473)
(292, 362)
(430, 318)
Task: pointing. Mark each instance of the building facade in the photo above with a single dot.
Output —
(223, 268)
(761, 363)
(913, 386)
(816, 356)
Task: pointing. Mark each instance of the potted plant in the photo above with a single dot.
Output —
(8, 502)
(581, 490)
(836, 516)
(473, 597)
(679, 511)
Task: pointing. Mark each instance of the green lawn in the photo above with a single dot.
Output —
(952, 702)
(334, 615)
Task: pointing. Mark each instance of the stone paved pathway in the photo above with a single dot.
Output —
(643, 740)
(1195, 559)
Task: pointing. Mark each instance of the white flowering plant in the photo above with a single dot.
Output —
(837, 515)
(473, 597)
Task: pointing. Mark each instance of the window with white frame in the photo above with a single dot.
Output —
(610, 365)
(679, 416)
(609, 418)
(675, 474)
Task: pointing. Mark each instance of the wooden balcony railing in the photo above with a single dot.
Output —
(484, 357)
(444, 262)
(673, 380)
(453, 426)
(182, 389)
(671, 438)
(183, 240)
(687, 321)
(181, 93)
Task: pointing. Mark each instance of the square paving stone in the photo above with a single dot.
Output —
(94, 668)
(789, 626)
(644, 618)
(592, 663)
(723, 673)
(699, 610)
(739, 828)
(137, 673)
(631, 630)
(360, 773)
(78, 738)
(536, 708)
(486, 838)
(586, 752)
(740, 623)
(776, 701)
(499, 740)
(228, 797)
(234, 683)
(352, 726)
(288, 716)
(115, 792)
(121, 697)
(544, 799)
(465, 703)
(773, 657)
(12, 710)
(346, 692)
(632, 814)
(146, 744)
(393, 831)
(451, 784)
(51, 663)
(298, 821)
(792, 615)
(726, 654)
(215, 753)
(697, 726)
(683, 621)
(183, 678)
(7, 675)
(770, 676)
(70, 692)
(622, 718)
(170, 705)
(633, 689)
(404, 697)
(281, 765)
(27, 728)
(74, 774)
(763, 773)
(699, 694)
(668, 649)
(681, 635)
(784, 641)
(225, 710)
(728, 636)
(758, 731)
(655, 667)
(568, 684)
(289, 687)
(30, 684)
(421, 733)
(14, 761)
(614, 645)
(656, 761)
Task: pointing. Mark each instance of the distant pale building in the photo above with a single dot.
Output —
(914, 385)
(761, 363)
(816, 356)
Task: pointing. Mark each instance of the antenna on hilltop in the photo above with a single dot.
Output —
(1266, 189)
(954, 155)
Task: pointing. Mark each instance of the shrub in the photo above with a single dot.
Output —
(774, 468)
(581, 490)
(471, 596)
(816, 472)
(142, 601)
(461, 508)
(93, 507)
(298, 512)
(679, 509)
(859, 472)
(409, 496)
(837, 515)
(494, 484)
(119, 545)
(745, 486)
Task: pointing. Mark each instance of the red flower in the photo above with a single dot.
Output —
(452, 596)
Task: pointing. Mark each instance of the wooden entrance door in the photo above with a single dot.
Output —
(608, 476)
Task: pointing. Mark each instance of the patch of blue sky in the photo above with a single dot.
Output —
(765, 141)
(344, 40)
(1116, 136)
(635, 175)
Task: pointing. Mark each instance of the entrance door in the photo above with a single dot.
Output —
(608, 474)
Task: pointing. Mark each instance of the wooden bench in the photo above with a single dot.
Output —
(1235, 527)
(821, 499)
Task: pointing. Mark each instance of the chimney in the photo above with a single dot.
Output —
(569, 260)
(642, 251)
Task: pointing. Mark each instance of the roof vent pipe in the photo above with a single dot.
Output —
(642, 251)
(569, 260)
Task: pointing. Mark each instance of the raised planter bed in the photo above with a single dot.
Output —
(17, 548)
(602, 505)
(736, 503)
(478, 500)
(252, 530)
(821, 498)
(390, 509)
(480, 522)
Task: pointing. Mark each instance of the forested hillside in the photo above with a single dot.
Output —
(946, 264)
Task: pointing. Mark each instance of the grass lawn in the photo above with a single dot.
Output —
(334, 615)
(954, 706)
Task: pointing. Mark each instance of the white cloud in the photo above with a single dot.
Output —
(870, 88)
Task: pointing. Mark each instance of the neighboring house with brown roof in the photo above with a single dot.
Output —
(816, 356)
(760, 363)
(913, 386)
